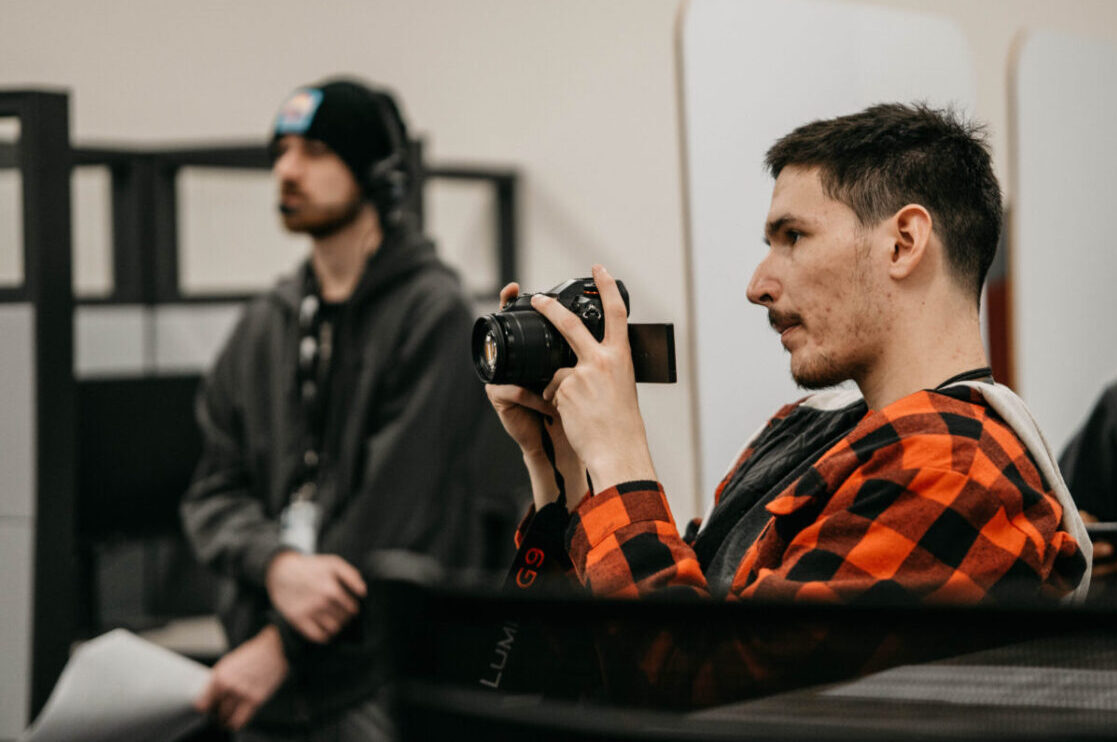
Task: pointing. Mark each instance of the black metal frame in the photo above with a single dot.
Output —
(144, 214)
(506, 183)
(44, 160)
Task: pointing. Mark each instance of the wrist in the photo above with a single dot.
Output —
(277, 564)
(536, 458)
(542, 477)
(610, 470)
(270, 635)
(271, 643)
(574, 481)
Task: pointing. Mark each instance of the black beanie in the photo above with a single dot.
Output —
(351, 118)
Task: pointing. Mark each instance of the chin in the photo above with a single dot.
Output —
(818, 373)
(304, 224)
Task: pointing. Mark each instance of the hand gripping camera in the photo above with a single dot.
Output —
(520, 346)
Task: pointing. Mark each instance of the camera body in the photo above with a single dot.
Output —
(580, 296)
(520, 346)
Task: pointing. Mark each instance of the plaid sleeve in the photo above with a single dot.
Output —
(624, 543)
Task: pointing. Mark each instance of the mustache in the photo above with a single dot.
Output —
(287, 188)
(780, 321)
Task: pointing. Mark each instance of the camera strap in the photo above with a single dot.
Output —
(531, 655)
(549, 450)
(985, 373)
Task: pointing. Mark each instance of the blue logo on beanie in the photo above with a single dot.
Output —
(297, 113)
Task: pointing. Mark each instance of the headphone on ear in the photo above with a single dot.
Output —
(388, 180)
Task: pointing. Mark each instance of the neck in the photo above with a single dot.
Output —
(339, 259)
(926, 350)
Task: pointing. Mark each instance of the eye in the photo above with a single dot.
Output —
(792, 236)
(316, 147)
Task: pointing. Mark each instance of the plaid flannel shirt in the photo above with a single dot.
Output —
(930, 499)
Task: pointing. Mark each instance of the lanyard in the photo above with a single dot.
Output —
(312, 376)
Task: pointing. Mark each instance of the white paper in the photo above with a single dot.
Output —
(118, 687)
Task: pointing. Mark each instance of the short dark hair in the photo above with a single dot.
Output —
(893, 154)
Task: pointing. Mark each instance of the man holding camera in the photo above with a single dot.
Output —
(930, 485)
(342, 417)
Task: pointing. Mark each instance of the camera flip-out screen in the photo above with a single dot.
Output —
(653, 352)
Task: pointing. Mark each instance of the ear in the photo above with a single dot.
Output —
(911, 235)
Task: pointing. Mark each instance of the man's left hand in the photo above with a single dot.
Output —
(596, 399)
(244, 679)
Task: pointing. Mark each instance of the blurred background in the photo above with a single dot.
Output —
(584, 101)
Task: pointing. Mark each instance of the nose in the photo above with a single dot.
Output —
(764, 288)
(287, 165)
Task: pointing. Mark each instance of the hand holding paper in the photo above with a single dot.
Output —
(244, 679)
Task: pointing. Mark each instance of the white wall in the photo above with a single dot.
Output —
(992, 26)
(860, 55)
(580, 94)
(1063, 264)
(17, 512)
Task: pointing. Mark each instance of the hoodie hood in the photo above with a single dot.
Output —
(402, 253)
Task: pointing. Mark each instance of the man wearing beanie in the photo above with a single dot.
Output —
(342, 418)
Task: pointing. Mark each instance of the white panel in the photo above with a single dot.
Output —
(16, 553)
(91, 192)
(461, 217)
(17, 423)
(1063, 262)
(189, 337)
(230, 236)
(111, 340)
(752, 72)
(11, 229)
(11, 213)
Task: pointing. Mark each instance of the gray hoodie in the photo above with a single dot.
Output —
(412, 456)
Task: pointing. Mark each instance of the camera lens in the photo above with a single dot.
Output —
(518, 348)
(490, 352)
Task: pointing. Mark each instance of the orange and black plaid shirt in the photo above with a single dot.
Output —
(930, 499)
(933, 495)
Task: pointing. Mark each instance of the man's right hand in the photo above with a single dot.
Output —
(521, 411)
(318, 594)
(244, 679)
(525, 416)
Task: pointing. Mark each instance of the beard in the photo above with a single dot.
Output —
(824, 370)
(817, 371)
(853, 337)
(321, 220)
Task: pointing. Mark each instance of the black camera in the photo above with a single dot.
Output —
(520, 346)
